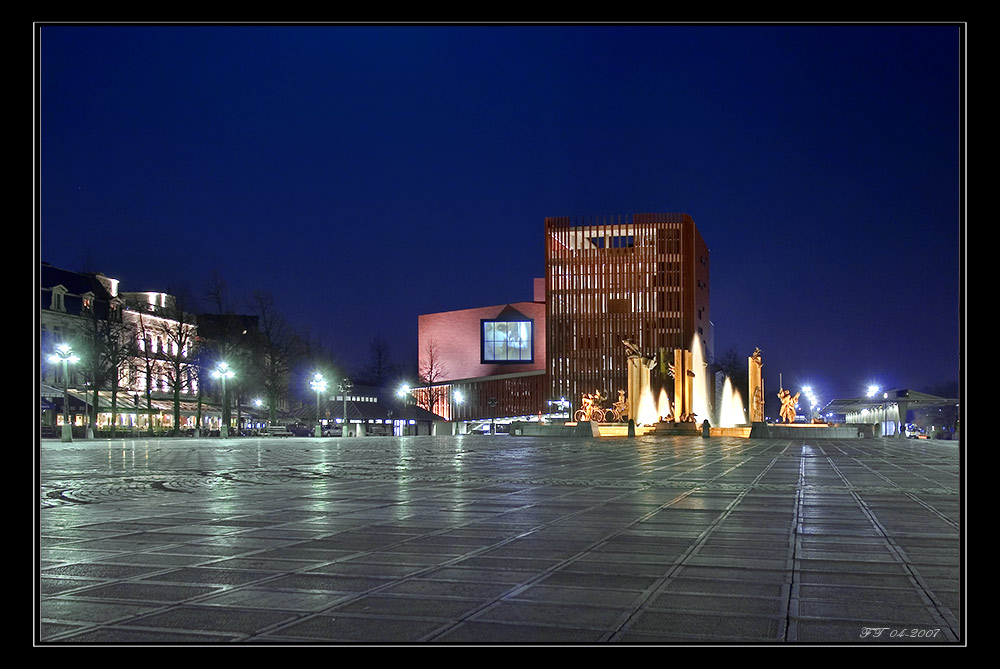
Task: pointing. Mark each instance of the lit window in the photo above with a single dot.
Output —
(508, 341)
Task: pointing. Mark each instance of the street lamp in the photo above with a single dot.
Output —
(86, 408)
(885, 412)
(345, 387)
(404, 395)
(459, 400)
(492, 402)
(222, 371)
(64, 354)
(135, 401)
(318, 384)
(258, 404)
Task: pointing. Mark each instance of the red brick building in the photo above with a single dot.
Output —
(484, 353)
(644, 277)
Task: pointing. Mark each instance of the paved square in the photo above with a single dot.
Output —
(479, 539)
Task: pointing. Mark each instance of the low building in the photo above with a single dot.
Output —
(891, 411)
(368, 411)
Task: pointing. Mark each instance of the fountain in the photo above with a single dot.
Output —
(690, 407)
(731, 412)
(699, 383)
(647, 413)
(664, 409)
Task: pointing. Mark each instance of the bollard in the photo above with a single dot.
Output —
(631, 427)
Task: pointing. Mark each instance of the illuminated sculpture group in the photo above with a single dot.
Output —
(591, 409)
(681, 410)
(788, 402)
(638, 368)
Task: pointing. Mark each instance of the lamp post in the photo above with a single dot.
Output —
(345, 387)
(86, 408)
(135, 400)
(318, 384)
(872, 389)
(404, 395)
(885, 412)
(64, 354)
(222, 371)
(492, 402)
(459, 400)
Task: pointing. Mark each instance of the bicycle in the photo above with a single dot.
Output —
(591, 410)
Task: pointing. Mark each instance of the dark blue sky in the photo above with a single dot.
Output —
(365, 175)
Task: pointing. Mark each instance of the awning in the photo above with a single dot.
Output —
(126, 402)
(910, 398)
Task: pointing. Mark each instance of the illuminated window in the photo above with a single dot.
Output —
(508, 341)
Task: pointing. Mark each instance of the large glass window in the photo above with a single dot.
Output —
(508, 341)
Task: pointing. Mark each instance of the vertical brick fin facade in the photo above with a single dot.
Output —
(643, 277)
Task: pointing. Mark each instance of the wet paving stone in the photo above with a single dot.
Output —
(499, 540)
(205, 619)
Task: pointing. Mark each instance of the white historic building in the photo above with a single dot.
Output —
(158, 362)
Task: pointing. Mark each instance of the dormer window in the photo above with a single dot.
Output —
(58, 299)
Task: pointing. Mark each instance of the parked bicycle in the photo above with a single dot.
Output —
(591, 408)
(619, 410)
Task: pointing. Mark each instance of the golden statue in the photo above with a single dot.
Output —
(788, 402)
(756, 382)
(591, 409)
(619, 409)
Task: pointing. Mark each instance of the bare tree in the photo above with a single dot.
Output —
(227, 337)
(165, 348)
(734, 366)
(142, 350)
(273, 352)
(381, 367)
(431, 371)
(180, 329)
(108, 344)
(216, 293)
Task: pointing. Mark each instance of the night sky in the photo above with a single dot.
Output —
(365, 175)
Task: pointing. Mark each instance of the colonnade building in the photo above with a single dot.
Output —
(642, 277)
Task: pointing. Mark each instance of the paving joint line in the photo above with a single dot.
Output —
(935, 607)
(691, 550)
